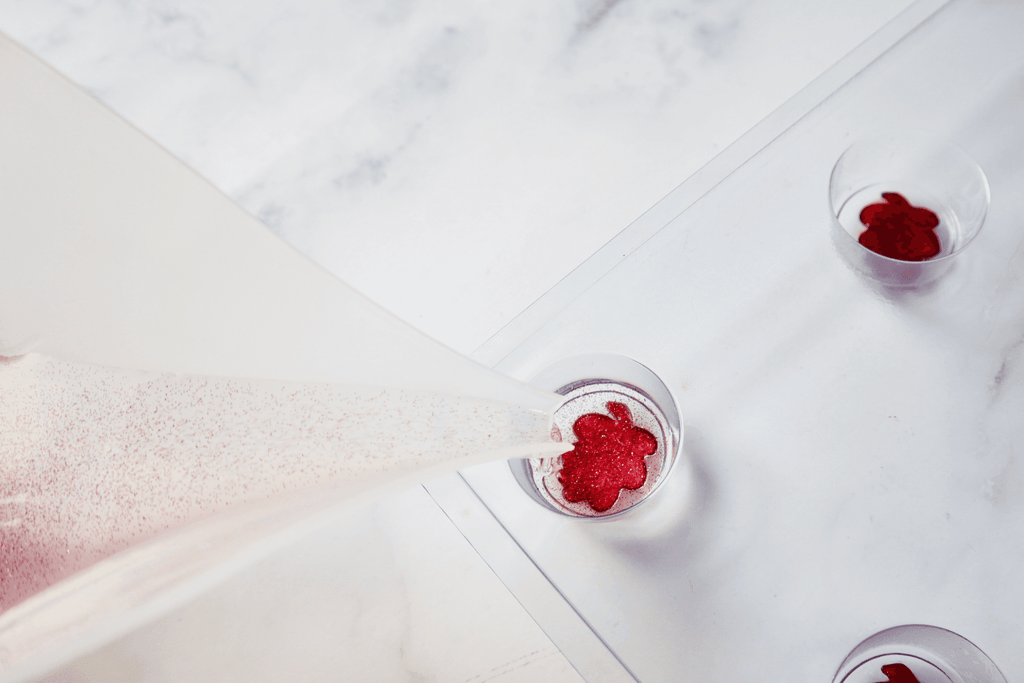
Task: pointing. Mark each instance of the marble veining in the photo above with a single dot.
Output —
(521, 136)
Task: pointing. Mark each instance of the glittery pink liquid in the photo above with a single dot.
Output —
(898, 229)
(898, 673)
(608, 457)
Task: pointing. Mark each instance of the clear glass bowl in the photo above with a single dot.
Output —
(932, 654)
(927, 171)
(590, 382)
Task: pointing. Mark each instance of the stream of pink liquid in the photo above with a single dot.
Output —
(95, 460)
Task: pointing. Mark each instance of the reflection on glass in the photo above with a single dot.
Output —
(917, 654)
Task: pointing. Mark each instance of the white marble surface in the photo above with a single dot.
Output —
(373, 135)
(452, 161)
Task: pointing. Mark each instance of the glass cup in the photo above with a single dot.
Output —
(592, 384)
(929, 654)
(925, 170)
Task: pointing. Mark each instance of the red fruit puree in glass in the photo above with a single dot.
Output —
(898, 673)
(900, 230)
(607, 458)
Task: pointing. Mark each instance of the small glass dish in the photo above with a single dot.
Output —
(928, 653)
(591, 383)
(927, 172)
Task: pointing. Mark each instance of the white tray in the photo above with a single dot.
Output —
(851, 457)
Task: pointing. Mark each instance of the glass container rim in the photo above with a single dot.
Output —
(672, 418)
(924, 136)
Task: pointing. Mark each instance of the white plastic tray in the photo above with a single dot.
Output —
(852, 455)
